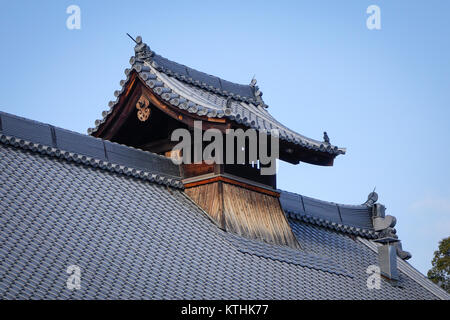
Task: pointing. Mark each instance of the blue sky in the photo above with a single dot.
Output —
(383, 94)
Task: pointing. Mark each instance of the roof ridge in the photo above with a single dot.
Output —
(341, 227)
(367, 220)
(86, 160)
(329, 202)
(172, 68)
(96, 154)
(80, 134)
(349, 219)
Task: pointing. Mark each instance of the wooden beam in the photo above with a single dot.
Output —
(120, 112)
(158, 146)
(233, 182)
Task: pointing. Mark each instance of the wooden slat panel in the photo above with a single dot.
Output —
(209, 198)
(245, 212)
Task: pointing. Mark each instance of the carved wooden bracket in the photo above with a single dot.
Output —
(143, 109)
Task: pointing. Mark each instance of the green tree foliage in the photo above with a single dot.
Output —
(440, 272)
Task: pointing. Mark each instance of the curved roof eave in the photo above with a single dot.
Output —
(202, 99)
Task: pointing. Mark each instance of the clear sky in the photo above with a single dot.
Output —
(382, 94)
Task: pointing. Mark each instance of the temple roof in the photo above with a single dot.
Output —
(205, 95)
(122, 217)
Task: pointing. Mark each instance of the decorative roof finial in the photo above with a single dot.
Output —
(131, 38)
(326, 139)
(253, 82)
(372, 198)
(142, 50)
(258, 94)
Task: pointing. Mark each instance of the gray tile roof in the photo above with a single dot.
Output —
(354, 255)
(411, 272)
(357, 220)
(136, 238)
(205, 95)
